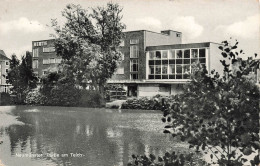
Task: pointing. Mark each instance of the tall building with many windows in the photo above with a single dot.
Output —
(158, 63)
(44, 57)
(4, 68)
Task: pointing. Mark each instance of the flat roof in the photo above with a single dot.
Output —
(42, 40)
(179, 46)
(151, 31)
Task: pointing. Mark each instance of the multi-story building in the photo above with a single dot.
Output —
(152, 63)
(44, 57)
(4, 67)
(158, 63)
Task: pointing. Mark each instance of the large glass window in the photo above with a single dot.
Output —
(134, 65)
(134, 51)
(174, 64)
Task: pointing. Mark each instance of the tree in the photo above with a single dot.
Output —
(87, 43)
(21, 76)
(219, 114)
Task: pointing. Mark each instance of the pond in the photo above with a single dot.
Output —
(35, 136)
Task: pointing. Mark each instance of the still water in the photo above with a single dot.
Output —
(64, 136)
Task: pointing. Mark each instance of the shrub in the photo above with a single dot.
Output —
(154, 103)
(34, 98)
(90, 98)
(169, 159)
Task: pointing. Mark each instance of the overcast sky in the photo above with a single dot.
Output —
(24, 21)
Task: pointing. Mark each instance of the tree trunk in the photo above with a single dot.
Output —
(102, 94)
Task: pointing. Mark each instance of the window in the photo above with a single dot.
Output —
(35, 52)
(164, 54)
(178, 35)
(46, 61)
(41, 43)
(122, 43)
(134, 41)
(186, 53)
(35, 64)
(58, 60)
(202, 53)
(194, 53)
(48, 49)
(44, 72)
(165, 69)
(134, 76)
(157, 69)
(52, 60)
(151, 69)
(120, 70)
(6, 70)
(134, 65)
(122, 56)
(171, 69)
(172, 54)
(6, 63)
(151, 55)
(179, 54)
(134, 51)
(158, 55)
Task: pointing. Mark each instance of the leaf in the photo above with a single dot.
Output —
(224, 54)
(166, 131)
(211, 156)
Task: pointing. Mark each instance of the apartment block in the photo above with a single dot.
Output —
(44, 58)
(4, 68)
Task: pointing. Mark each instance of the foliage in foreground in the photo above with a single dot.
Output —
(169, 159)
(219, 115)
(59, 90)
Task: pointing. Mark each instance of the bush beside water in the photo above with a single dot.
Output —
(60, 97)
(146, 103)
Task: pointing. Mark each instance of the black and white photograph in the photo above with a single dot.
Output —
(129, 82)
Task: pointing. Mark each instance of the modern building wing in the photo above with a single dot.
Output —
(158, 63)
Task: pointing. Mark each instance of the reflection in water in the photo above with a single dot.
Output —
(101, 137)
